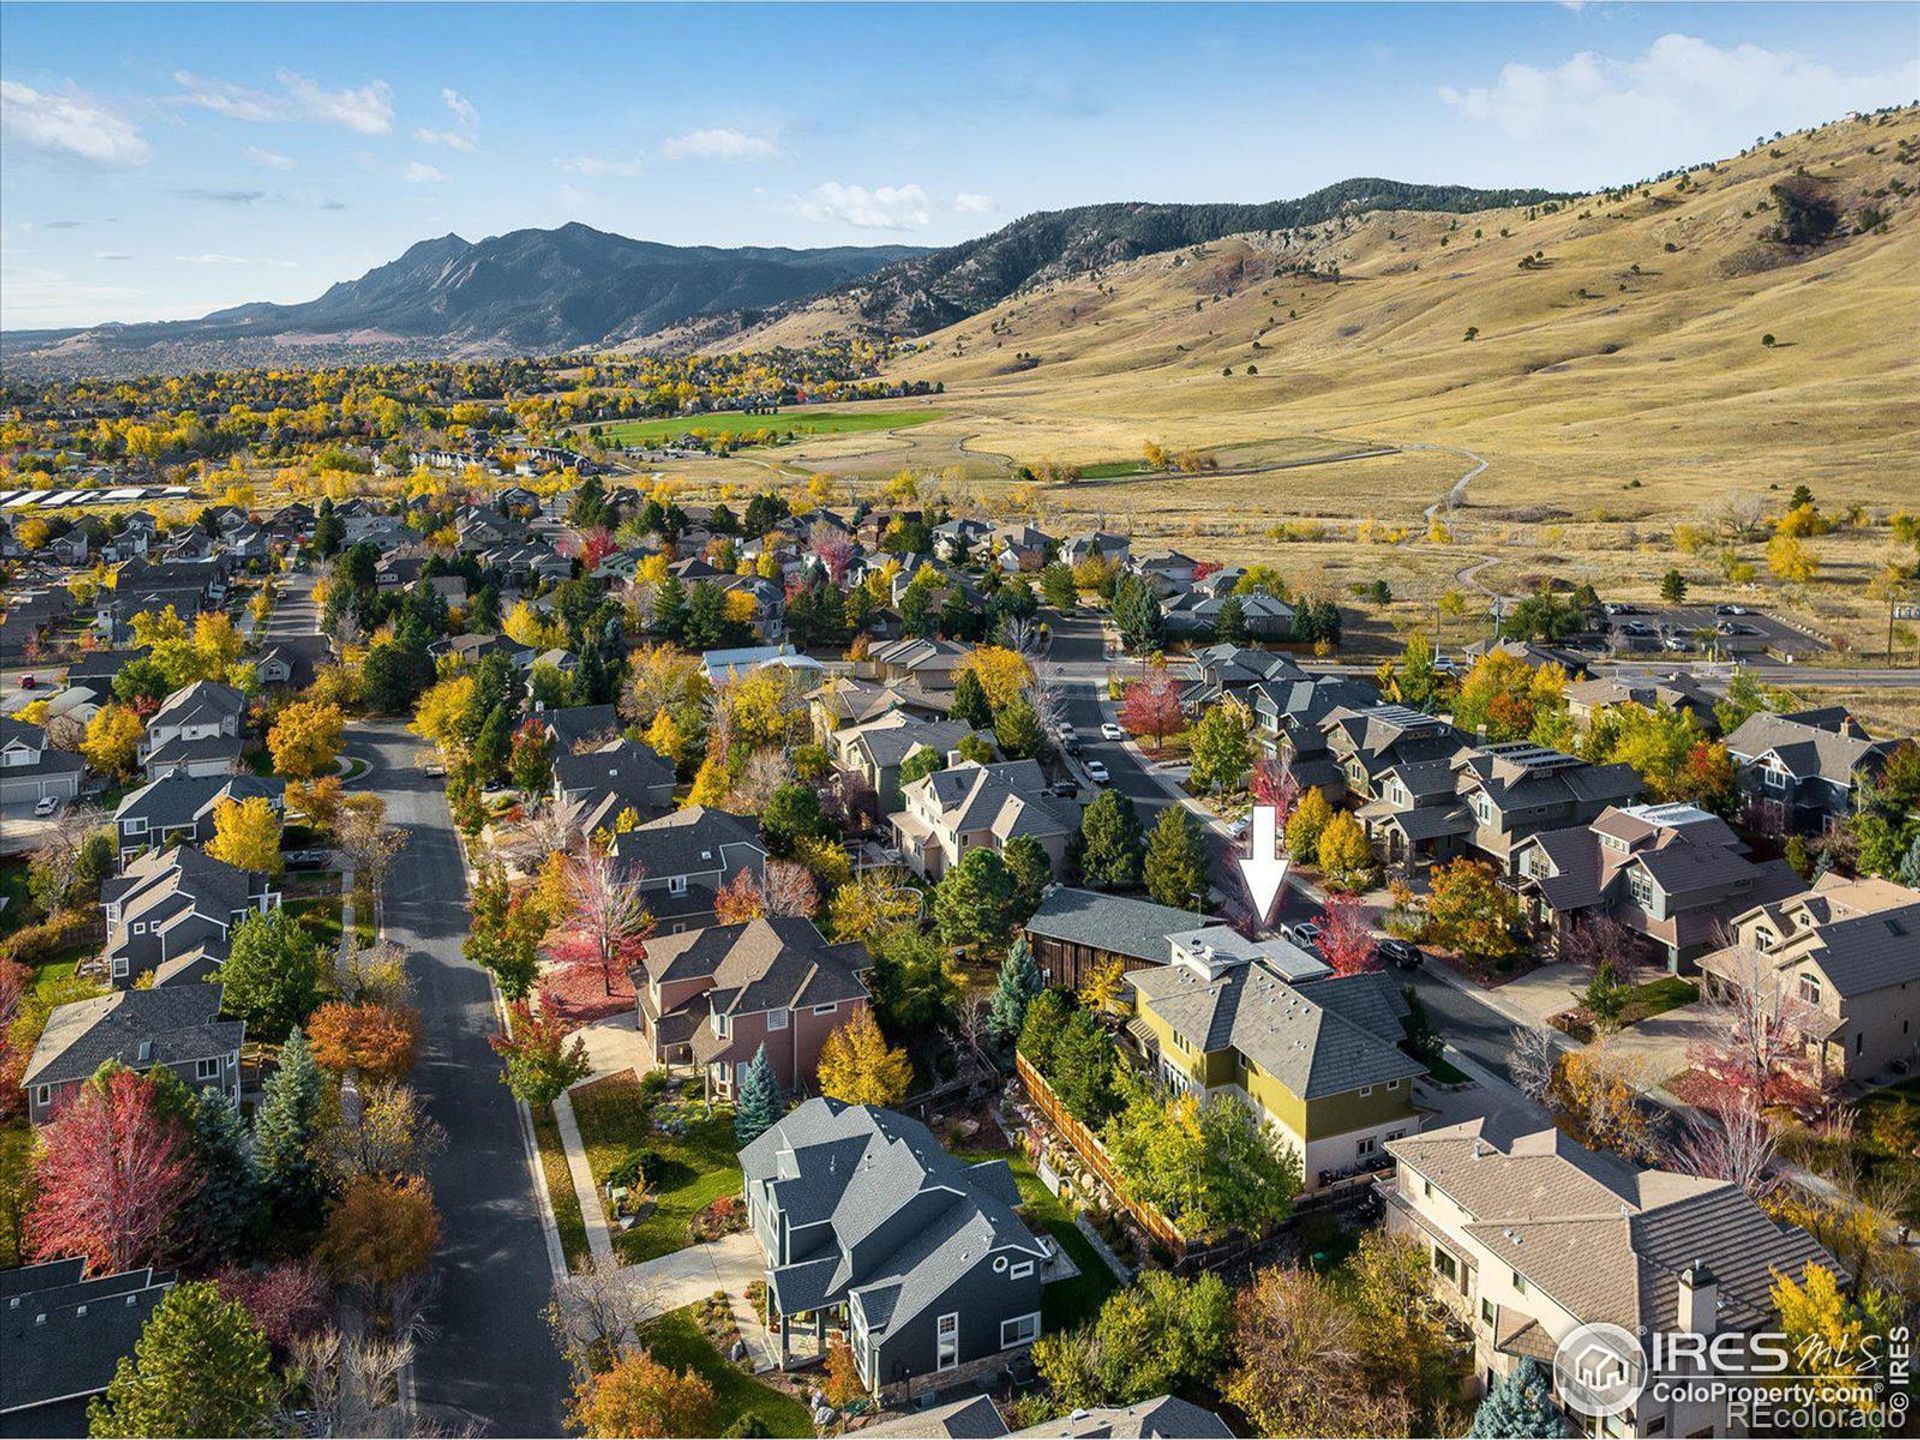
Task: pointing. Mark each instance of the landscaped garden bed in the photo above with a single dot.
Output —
(698, 1162)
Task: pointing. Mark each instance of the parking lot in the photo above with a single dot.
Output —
(1704, 630)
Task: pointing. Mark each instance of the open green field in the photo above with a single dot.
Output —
(798, 421)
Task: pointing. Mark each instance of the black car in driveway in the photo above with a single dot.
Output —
(1402, 954)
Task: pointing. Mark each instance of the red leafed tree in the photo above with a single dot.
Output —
(114, 1173)
(287, 1300)
(1151, 706)
(739, 900)
(595, 548)
(833, 547)
(1274, 784)
(1346, 939)
(1755, 1054)
(607, 923)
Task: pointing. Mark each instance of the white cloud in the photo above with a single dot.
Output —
(367, 110)
(111, 255)
(596, 165)
(214, 258)
(1682, 90)
(718, 144)
(416, 173)
(972, 202)
(70, 123)
(272, 159)
(465, 134)
(887, 207)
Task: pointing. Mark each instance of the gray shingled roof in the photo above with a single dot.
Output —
(178, 799)
(689, 841)
(1166, 1418)
(178, 1023)
(1118, 924)
(1809, 743)
(63, 1334)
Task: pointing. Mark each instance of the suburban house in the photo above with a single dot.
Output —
(1801, 772)
(570, 727)
(1369, 742)
(1287, 711)
(922, 1259)
(472, 649)
(178, 1027)
(605, 783)
(1262, 616)
(713, 997)
(1588, 700)
(1842, 960)
(291, 662)
(1020, 547)
(976, 1417)
(1076, 932)
(965, 806)
(182, 808)
(1319, 1059)
(171, 913)
(64, 1333)
(876, 749)
(685, 857)
(1096, 545)
(1226, 669)
(842, 700)
(195, 732)
(912, 661)
(1531, 1235)
(1673, 873)
(1493, 797)
(31, 770)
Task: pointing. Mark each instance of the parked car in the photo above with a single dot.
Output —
(1097, 773)
(1071, 745)
(1238, 827)
(307, 859)
(1067, 732)
(1302, 933)
(1677, 642)
(27, 682)
(47, 805)
(1729, 609)
(1066, 789)
(1401, 953)
(1112, 731)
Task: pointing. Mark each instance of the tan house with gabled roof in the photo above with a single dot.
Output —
(966, 806)
(1531, 1235)
(1843, 958)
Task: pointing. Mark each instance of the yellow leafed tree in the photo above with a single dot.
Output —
(857, 1065)
(246, 833)
(305, 740)
(113, 740)
(1003, 673)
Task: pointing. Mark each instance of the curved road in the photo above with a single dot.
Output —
(488, 1362)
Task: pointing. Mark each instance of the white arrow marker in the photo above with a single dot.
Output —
(1264, 870)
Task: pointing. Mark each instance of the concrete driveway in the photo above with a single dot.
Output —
(1660, 1044)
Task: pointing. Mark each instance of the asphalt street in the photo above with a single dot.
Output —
(488, 1363)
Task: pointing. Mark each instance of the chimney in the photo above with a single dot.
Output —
(1699, 1299)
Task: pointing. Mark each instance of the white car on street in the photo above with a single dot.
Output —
(1111, 731)
(1097, 773)
(46, 805)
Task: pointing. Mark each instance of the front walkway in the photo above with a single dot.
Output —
(599, 1235)
(689, 1276)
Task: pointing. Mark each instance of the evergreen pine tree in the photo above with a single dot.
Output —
(970, 701)
(283, 1136)
(229, 1188)
(1910, 867)
(1518, 1407)
(1020, 980)
(670, 608)
(1176, 864)
(1110, 844)
(761, 1104)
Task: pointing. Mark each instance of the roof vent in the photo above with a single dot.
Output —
(146, 1051)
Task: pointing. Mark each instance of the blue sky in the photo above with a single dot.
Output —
(159, 161)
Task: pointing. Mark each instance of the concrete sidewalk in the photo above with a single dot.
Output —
(599, 1235)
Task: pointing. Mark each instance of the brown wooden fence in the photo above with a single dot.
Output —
(1094, 1156)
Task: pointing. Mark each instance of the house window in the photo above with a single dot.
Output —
(1764, 939)
(1810, 989)
(1021, 1271)
(1426, 1188)
(1020, 1330)
(1393, 1084)
(677, 885)
(776, 1019)
(1486, 1310)
(1445, 1264)
(139, 927)
(120, 969)
(1641, 888)
(1365, 1090)
(43, 1094)
(825, 1009)
(1776, 779)
(1483, 807)
(947, 1341)
(1519, 1283)
(206, 1069)
(1366, 1146)
(721, 1024)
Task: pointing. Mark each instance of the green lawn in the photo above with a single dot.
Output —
(1066, 1303)
(560, 1192)
(16, 1147)
(676, 1340)
(1113, 469)
(19, 908)
(701, 1165)
(1669, 992)
(320, 914)
(800, 420)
